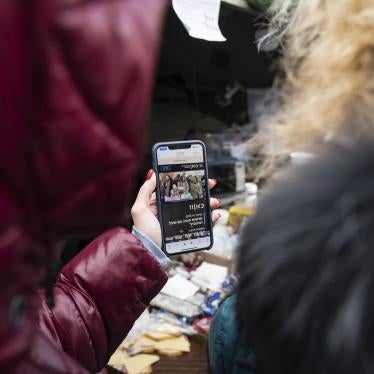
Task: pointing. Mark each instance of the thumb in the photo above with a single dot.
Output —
(148, 187)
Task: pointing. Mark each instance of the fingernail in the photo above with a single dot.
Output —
(219, 201)
(219, 215)
(214, 181)
(149, 174)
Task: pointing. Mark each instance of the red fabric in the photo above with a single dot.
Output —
(75, 83)
(99, 295)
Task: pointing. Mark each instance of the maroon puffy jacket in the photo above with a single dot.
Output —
(75, 81)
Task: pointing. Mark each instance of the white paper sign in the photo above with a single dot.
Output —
(212, 275)
(179, 287)
(200, 18)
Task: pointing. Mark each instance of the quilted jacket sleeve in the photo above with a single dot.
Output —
(97, 63)
(99, 295)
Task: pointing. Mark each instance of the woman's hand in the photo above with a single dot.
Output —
(144, 210)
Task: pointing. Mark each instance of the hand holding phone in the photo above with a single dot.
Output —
(145, 213)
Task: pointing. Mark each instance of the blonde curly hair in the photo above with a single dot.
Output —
(327, 88)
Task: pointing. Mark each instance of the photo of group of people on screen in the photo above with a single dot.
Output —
(176, 186)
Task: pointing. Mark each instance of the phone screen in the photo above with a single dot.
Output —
(183, 197)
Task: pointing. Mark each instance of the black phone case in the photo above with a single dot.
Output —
(155, 169)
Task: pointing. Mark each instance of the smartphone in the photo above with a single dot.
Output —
(183, 196)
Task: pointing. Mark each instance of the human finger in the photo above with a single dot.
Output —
(215, 216)
(145, 194)
(215, 203)
(212, 183)
(146, 190)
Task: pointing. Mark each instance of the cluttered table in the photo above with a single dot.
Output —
(171, 335)
(192, 362)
